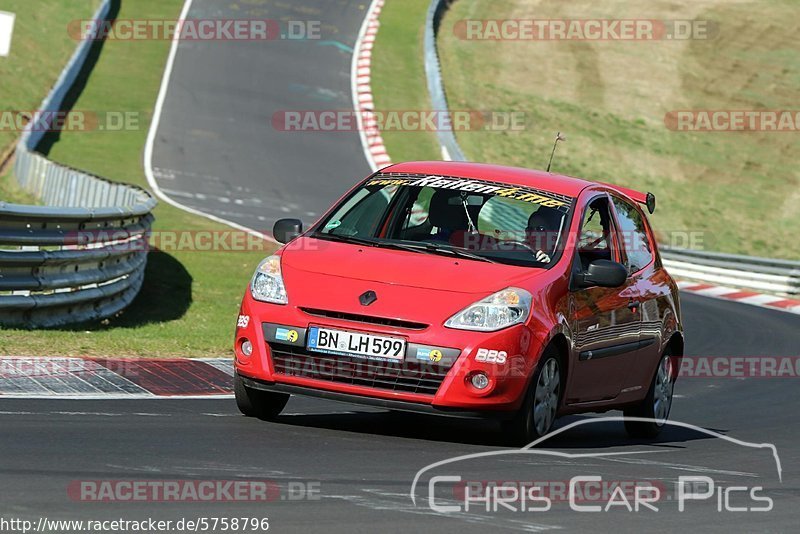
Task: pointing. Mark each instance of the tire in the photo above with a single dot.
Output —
(539, 409)
(264, 405)
(656, 405)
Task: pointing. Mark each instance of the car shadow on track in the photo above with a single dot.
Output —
(603, 434)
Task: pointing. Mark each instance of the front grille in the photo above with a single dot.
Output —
(410, 377)
(369, 319)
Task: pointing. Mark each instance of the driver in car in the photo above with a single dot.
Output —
(542, 231)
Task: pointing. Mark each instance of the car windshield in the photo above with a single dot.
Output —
(472, 219)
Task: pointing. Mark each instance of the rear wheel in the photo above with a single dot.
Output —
(538, 412)
(656, 405)
(265, 405)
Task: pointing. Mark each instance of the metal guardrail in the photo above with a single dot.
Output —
(762, 274)
(749, 272)
(81, 256)
(433, 71)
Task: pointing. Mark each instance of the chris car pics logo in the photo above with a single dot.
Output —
(450, 486)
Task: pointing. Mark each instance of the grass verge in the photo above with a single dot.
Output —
(733, 192)
(398, 77)
(40, 48)
(741, 191)
(190, 299)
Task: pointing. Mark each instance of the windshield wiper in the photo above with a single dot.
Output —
(346, 239)
(457, 252)
(429, 248)
(369, 242)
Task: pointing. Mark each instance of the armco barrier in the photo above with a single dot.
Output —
(762, 274)
(80, 256)
(433, 71)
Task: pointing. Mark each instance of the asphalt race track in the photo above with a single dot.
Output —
(216, 145)
(216, 149)
(364, 460)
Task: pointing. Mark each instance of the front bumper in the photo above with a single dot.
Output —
(442, 388)
(389, 404)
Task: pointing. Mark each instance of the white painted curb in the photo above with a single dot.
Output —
(731, 294)
(361, 86)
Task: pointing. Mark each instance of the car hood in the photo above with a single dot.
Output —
(420, 287)
(400, 268)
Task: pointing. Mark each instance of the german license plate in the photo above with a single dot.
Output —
(358, 344)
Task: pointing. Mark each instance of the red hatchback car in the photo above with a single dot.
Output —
(468, 290)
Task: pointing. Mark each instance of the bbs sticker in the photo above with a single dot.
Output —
(491, 356)
(243, 321)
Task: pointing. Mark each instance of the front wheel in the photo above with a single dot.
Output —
(656, 405)
(538, 412)
(265, 405)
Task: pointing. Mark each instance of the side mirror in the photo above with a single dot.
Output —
(287, 229)
(650, 202)
(603, 273)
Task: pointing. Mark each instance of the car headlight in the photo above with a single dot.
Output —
(267, 284)
(500, 310)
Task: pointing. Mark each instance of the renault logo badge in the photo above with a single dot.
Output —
(367, 298)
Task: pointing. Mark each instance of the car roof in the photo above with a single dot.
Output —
(545, 181)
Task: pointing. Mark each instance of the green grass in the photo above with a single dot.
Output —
(11, 192)
(40, 48)
(398, 77)
(739, 191)
(190, 300)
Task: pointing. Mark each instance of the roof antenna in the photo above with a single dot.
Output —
(559, 137)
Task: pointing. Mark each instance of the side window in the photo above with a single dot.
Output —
(595, 241)
(634, 235)
(361, 214)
